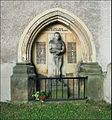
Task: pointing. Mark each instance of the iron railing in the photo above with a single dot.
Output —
(64, 88)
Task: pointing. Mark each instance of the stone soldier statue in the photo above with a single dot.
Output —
(57, 49)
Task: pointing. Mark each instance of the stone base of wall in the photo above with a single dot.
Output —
(23, 82)
(95, 79)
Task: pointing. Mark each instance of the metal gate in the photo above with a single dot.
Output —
(64, 88)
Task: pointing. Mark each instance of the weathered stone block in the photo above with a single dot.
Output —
(95, 79)
(23, 82)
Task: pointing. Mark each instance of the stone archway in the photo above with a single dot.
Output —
(48, 17)
(23, 78)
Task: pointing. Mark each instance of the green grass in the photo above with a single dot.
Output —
(69, 110)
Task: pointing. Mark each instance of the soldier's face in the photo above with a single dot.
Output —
(56, 36)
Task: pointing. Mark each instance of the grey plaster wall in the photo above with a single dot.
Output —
(15, 16)
(5, 88)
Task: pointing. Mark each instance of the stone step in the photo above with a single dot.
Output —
(83, 74)
(23, 69)
(89, 66)
(98, 71)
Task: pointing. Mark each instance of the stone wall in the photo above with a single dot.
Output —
(15, 16)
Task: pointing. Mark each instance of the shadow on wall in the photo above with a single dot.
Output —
(107, 85)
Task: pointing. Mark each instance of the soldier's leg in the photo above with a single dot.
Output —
(57, 66)
(60, 66)
(54, 66)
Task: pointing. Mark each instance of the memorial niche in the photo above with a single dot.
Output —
(68, 69)
(51, 64)
(60, 55)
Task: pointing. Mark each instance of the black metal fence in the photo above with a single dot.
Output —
(64, 88)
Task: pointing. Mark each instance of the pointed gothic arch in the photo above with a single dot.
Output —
(51, 16)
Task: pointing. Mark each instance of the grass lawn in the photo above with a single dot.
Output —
(66, 110)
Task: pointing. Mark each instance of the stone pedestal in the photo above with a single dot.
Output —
(95, 79)
(23, 82)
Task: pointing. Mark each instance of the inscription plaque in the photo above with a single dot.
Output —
(41, 52)
(71, 55)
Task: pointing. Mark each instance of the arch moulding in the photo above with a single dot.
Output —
(51, 16)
